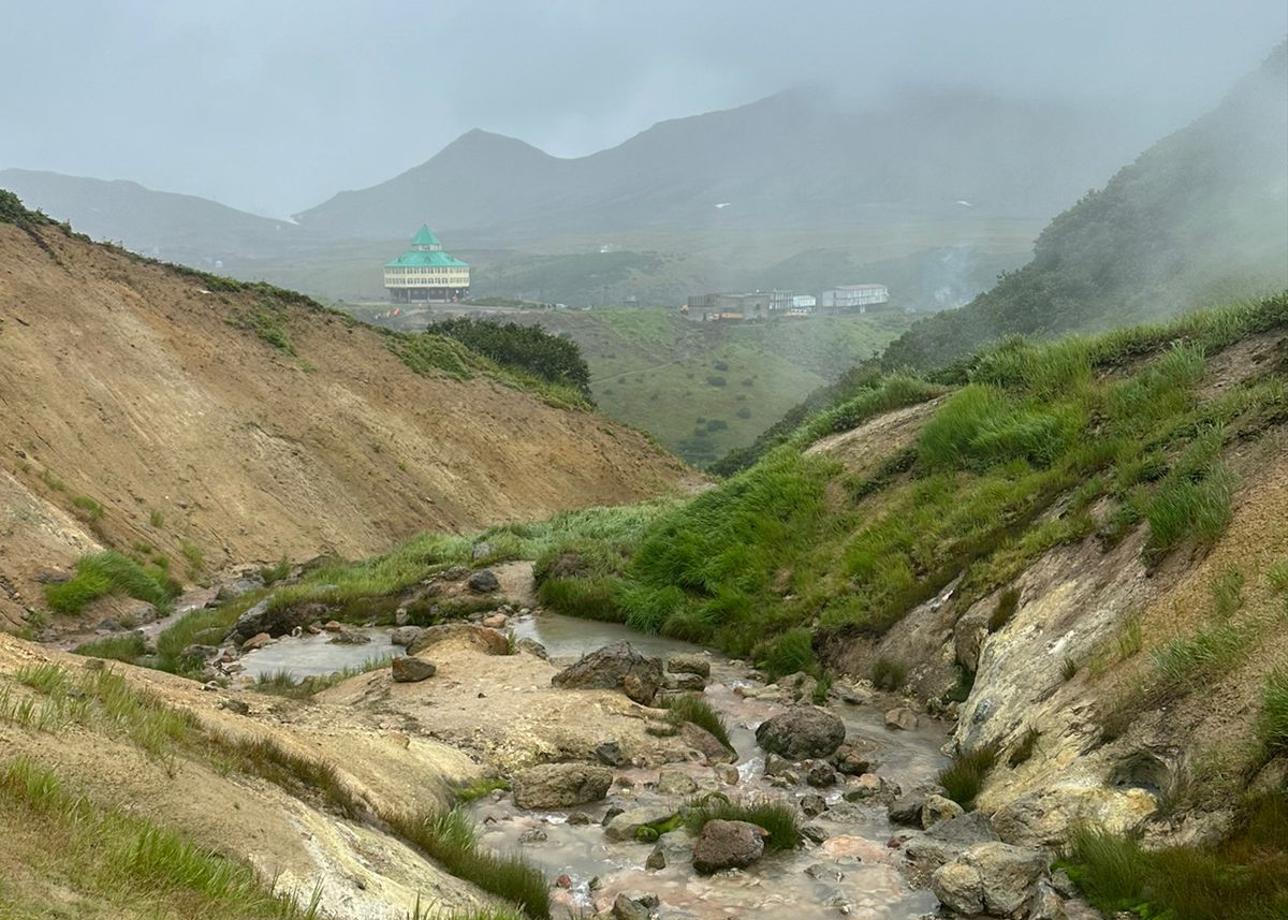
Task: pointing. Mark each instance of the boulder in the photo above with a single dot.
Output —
(614, 667)
(610, 754)
(495, 620)
(408, 669)
(347, 635)
(801, 732)
(995, 879)
(813, 805)
(689, 682)
(633, 906)
(484, 581)
(936, 808)
(705, 743)
(689, 664)
(901, 718)
(727, 773)
(906, 810)
(404, 636)
(820, 774)
(728, 845)
(624, 825)
(851, 761)
(533, 647)
(486, 640)
(237, 587)
(260, 619)
(656, 859)
(675, 782)
(257, 641)
(561, 785)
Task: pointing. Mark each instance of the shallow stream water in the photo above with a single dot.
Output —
(853, 873)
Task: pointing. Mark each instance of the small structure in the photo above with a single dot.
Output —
(426, 273)
(849, 296)
(751, 305)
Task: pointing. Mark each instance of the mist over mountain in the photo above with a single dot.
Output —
(1200, 217)
(182, 228)
(799, 158)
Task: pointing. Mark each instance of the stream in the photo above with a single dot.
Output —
(852, 873)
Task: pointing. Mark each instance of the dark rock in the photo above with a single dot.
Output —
(533, 647)
(802, 732)
(813, 805)
(728, 845)
(614, 667)
(279, 622)
(656, 859)
(707, 744)
(578, 819)
(407, 669)
(906, 810)
(626, 907)
(484, 581)
(819, 774)
(813, 833)
(533, 835)
(610, 754)
(561, 785)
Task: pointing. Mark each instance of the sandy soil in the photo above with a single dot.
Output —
(125, 382)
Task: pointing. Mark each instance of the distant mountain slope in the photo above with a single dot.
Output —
(148, 406)
(794, 159)
(164, 225)
(1200, 217)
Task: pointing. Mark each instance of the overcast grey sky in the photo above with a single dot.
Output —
(274, 106)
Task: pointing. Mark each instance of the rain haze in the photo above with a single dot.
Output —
(274, 107)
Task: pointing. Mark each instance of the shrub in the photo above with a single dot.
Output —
(693, 708)
(91, 509)
(1227, 592)
(109, 572)
(964, 777)
(780, 818)
(888, 674)
(527, 348)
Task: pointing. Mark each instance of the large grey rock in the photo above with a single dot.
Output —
(728, 845)
(230, 590)
(260, 619)
(995, 879)
(407, 669)
(486, 640)
(561, 785)
(404, 636)
(689, 664)
(614, 667)
(801, 732)
(684, 682)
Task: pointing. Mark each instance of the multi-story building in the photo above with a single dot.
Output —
(854, 295)
(426, 273)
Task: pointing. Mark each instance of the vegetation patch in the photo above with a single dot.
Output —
(964, 777)
(106, 573)
(779, 818)
(106, 856)
(526, 348)
(693, 708)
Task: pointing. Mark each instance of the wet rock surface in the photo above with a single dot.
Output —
(728, 845)
(560, 785)
(802, 732)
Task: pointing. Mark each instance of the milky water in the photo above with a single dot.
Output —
(853, 873)
(311, 656)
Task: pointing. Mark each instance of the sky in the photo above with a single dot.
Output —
(274, 105)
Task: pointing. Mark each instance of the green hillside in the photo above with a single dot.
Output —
(1200, 216)
(703, 389)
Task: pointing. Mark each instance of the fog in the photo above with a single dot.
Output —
(272, 107)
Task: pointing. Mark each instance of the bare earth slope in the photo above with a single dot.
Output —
(127, 383)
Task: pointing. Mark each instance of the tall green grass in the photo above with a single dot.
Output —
(109, 572)
(449, 839)
(963, 779)
(780, 818)
(693, 708)
(122, 859)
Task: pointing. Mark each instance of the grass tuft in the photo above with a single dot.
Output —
(109, 572)
(780, 818)
(693, 708)
(964, 777)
